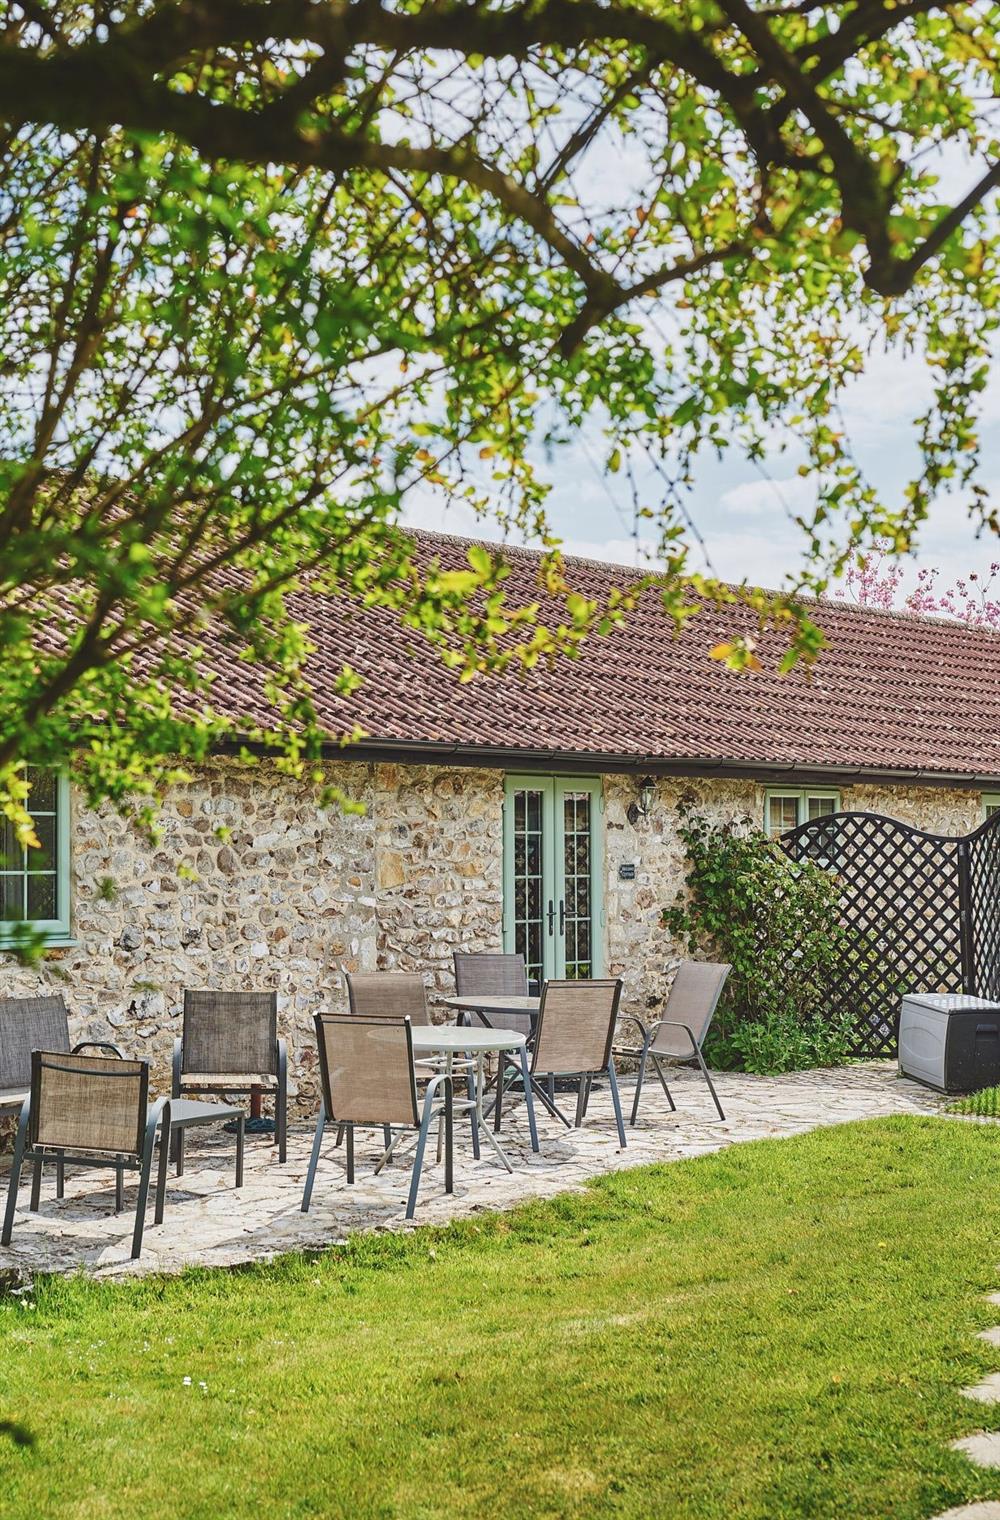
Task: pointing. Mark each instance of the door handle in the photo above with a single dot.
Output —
(552, 916)
(562, 916)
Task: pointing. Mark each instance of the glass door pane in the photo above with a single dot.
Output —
(528, 911)
(553, 876)
(576, 900)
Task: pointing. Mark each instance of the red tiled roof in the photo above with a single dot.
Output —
(892, 693)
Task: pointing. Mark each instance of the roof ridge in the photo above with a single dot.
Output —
(838, 603)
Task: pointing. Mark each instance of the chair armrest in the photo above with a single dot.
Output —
(440, 1079)
(157, 1117)
(98, 1045)
(672, 1024)
(631, 1018)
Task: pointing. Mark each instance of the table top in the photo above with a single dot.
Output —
(495, 1003)
(185, 1111)
(450, 1037)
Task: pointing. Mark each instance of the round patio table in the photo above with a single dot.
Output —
(454, 1040)
(495, 1006)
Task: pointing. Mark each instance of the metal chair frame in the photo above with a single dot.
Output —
(431, 1109)
(141, 1159)
(646, 1052)
(14, 1106)
(584, 1078)
(449, 1064)
(178, 1087)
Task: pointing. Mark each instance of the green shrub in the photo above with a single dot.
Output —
(777, 922)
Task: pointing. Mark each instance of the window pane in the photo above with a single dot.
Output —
(42, 797)
(45, 858)
(11, 897)
(820, 807)
(42, 896)
(529, 908)
(782, 814)
(11, 854)
(576, 867)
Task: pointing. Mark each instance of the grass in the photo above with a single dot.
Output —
(985, 1104)
(778, 1330)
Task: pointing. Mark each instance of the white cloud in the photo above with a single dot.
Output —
(790, 493)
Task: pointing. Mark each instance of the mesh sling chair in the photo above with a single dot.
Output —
(34, 1023)
(368, 1079)
(492, 975)
(691, 1003)
(93, 1110)
(230, 1044)
(402, 995)
(573, 1038)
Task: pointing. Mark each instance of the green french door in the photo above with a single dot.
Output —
(553, 849)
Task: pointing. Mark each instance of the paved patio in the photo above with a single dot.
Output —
(208, 1223)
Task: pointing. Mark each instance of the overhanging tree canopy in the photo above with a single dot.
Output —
(266, 267)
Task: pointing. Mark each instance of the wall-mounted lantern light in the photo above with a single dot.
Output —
(644, 806)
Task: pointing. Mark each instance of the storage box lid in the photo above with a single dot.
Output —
(951, 1002)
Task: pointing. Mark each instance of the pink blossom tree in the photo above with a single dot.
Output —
(877, 581)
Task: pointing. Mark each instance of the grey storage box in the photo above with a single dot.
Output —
(950, 1041)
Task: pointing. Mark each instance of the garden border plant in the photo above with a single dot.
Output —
(776, 921)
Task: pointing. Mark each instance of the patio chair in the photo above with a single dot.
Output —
(690, 1007)
(492, 975)
(34, 1023)
(389, 995)
(403, 995)
(93, 1111)
(230, 1043)
(573, 1038)
(369, 1079)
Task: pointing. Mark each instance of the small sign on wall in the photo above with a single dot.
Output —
(626, 871)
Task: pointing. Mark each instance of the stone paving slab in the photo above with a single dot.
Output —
(208, 1223)
(986, 1392)
(982, 1509)
(982, 1448)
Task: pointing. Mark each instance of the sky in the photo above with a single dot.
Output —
(742, 513)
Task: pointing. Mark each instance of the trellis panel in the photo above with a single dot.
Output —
(919, 911)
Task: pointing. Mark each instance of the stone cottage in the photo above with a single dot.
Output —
(537, 812)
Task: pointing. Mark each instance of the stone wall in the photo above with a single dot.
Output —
(935, 809)
(439, 866)
(282, 903)
(295, 894)
(639, 949)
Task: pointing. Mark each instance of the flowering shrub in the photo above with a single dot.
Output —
(776, 922)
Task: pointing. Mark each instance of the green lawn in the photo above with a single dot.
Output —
(775, 1331)
(985, 1103)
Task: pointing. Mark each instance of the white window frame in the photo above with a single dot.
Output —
(57, 931)
(801, 795)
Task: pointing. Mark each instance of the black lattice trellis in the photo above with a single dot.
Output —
(920, 912)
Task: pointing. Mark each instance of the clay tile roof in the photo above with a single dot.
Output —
(894, 694)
